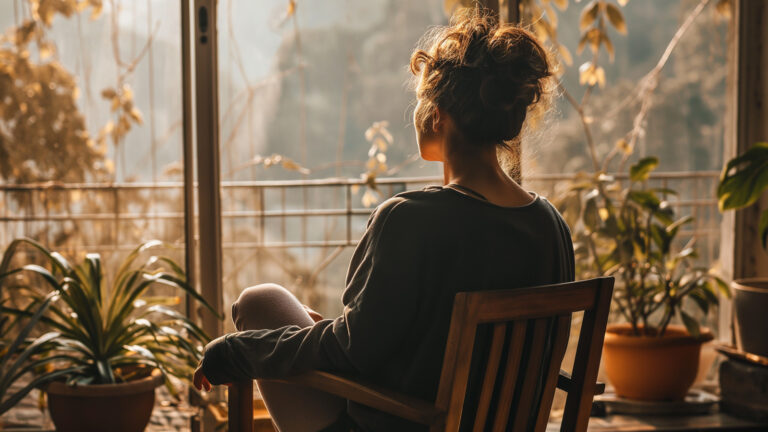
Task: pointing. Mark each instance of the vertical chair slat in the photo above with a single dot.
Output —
(558, 351)
(514, 355)
(489, 380)
(579, 402)
(240, 406)
(531, 374)
(461, 349)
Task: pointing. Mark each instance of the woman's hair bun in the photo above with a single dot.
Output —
(485, 75)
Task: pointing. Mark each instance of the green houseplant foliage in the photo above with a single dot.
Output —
(628, 230)
(743, 181)
(109, 335)
(21, 355)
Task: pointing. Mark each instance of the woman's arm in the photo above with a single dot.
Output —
(383, 290)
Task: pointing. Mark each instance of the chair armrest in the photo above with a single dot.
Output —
(565, 383)
(391, 402)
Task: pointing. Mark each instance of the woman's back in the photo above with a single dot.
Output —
(427, 246)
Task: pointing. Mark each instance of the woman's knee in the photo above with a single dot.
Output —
(268, 306)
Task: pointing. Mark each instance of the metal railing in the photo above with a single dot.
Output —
(42, 210)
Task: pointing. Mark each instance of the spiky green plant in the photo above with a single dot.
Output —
(109, 334)
(21, 356)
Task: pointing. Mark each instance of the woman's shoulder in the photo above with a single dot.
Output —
(408, 207)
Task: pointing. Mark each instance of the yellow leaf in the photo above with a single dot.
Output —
(723, 8)
(107, 129)
(291, 8)
(136, 115)
(623, 146)
(96, 7)
(291, 165)
(616, 18)
(589, 15)
(108, 93)
(600, 76)
(623, 2)
(587, 74)
(561, 4)
(127, 93)
(109, 165)
(381, 144)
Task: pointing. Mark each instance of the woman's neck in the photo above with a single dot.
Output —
(474, 168)
(479, 170)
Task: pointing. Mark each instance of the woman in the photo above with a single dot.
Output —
(476, 83)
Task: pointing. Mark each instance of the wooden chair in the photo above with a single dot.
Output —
(514, 369)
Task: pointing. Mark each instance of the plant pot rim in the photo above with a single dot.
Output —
(745, 284)
(617, 335)
(100, 390)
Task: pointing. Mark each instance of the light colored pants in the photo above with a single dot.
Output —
(293, 408)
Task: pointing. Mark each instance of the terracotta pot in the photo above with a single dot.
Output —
(750, 303)
(124, 407)
(650, 367)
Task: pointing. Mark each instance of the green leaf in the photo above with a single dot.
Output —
(763, 229)
(591, 215)
(642, 169)
(690, 324)
(700, 301)
(744, 178)
(646, 199)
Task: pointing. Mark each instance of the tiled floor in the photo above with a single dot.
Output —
(166, 417)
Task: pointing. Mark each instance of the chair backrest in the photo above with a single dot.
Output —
(529, 330)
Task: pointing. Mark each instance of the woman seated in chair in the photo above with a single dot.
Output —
(476, 82)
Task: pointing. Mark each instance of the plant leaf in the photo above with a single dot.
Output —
(690, 324)
(642, 169)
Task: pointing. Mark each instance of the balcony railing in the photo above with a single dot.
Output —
(156, 209)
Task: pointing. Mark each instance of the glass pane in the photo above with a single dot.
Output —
(90, 132)
(682, 122)
(305, 80)
(92, 124)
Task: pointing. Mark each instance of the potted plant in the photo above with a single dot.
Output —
(20, 355)
(742, 183)
(630, 233)
(116, 343)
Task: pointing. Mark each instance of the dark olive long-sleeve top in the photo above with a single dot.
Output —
(419, 250)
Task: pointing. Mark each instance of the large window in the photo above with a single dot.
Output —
(90, 127)
(305, 89)
(314, 124)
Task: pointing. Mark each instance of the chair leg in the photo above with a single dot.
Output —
(240, 406)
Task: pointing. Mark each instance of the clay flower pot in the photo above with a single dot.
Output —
(650, 367)
(124, 407)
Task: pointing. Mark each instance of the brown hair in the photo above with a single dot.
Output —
(485, 75)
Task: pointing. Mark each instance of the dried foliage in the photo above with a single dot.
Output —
(43, 136)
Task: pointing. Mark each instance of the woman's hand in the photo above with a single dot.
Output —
(199, 380)
(313, 314)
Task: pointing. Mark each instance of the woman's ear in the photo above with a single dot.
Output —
(437, 124)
